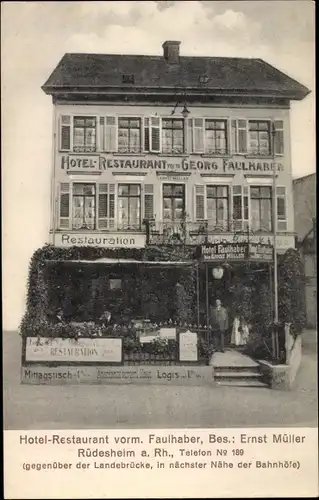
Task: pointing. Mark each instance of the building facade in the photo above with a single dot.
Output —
(304, 190)
(125, 154)
(155, 150)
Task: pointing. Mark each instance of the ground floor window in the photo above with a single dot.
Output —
(217, 207)
(129, 206)
(173, 202)
(83, 206)
(260, 208)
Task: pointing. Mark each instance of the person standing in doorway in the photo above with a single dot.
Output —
(219, 323)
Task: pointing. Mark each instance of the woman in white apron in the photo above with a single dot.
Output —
(240, 332)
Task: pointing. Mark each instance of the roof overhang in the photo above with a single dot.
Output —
(191, 92)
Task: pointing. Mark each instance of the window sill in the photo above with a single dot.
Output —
(216, 155)
(173, 155)
(218, 174)
(128, 154)
(70, 152)
(259, 157)
(89, 232)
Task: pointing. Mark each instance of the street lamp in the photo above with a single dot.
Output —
(185, 111)
(275, 224)
(218, 272)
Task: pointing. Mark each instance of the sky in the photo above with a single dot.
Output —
(35, 35)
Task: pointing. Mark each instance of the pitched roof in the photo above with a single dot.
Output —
(98, 72)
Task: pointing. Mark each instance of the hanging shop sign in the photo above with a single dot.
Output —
(260, 252)
(102, 240)
(100, 163)
(236, 252)
(81, 350)
(283, 242)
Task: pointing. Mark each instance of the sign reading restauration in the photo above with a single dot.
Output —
(104, 240)
(81, 350)
(96, 163)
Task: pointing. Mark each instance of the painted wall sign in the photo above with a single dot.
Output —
(188, 350)
(105, 240)
(83, 350)
(236, 251)
(74, 375)
(92, 163)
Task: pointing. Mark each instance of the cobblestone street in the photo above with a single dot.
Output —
(72, 407)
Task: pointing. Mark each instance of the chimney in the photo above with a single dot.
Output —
(171, 51)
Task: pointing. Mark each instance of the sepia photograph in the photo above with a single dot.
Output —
(159, 215)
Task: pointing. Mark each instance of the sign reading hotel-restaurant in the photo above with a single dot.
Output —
(82, 350)
(236, 251)
(94, 163)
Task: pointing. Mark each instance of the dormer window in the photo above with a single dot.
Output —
(128, 79)
(203, 79)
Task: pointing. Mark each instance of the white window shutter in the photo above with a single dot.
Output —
(199, 202)
(242, 136)
(279, 137)
(65, 133)
(234, 137)
(110, 134)
(189, 136)
(101, 134)
(148, 201)
(146, 134)
(281, 208)
(155, 134)
(106, 193)
(198, 135)
(64, 205)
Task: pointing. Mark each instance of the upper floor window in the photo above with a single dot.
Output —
(254, 137)
(259, 138)
(84, 134)
(129, 135)
(215, 136)
(172, 135)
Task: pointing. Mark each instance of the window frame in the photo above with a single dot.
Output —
(173, 183)
(141, 130)
(244, 195)
(269, 132)
(174, 118)
(85, 148)
(95, 218)
(258, 186)
(227, 138)
(228, 199)
(141, 206)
